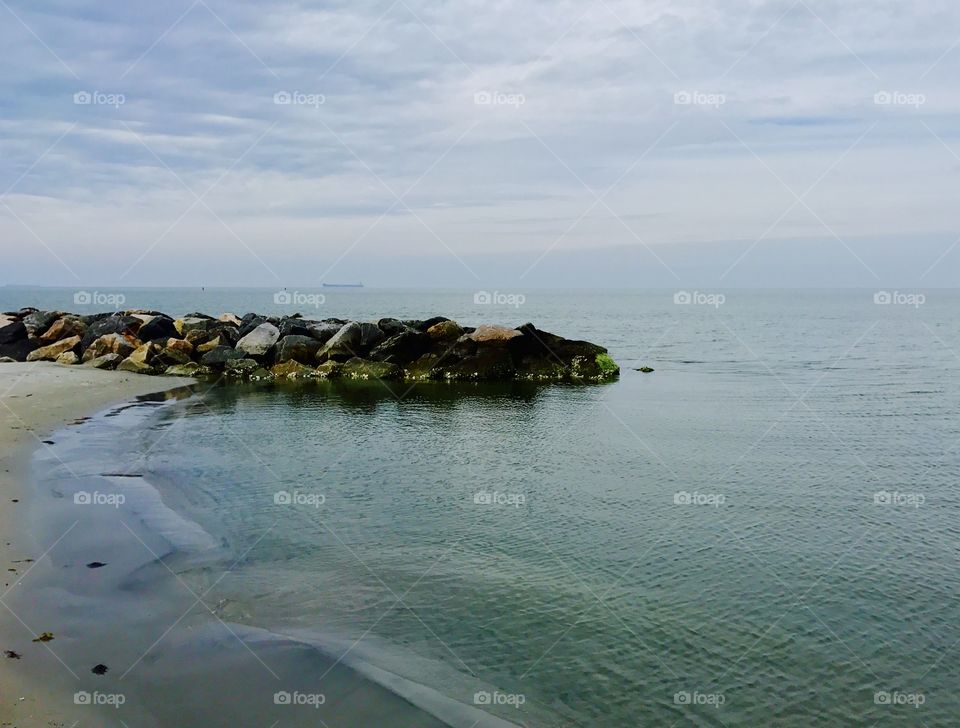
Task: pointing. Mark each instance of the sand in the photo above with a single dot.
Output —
(36, 399)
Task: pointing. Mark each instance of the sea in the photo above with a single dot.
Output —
(763, 530)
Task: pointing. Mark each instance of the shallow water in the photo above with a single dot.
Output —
(788, 591)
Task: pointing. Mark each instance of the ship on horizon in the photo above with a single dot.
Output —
(342, 285)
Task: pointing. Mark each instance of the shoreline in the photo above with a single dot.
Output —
(35, 400)
(138, 596)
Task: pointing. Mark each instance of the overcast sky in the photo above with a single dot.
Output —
(407, 142)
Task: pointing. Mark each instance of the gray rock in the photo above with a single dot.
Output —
(370, 336)
(107, 361)
(259, 341)
(13, 332)
(297, 348)
(343, 345)
(217, 358)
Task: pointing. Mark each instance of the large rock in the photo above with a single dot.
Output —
(191, 369)
(323, 331)
(292, 370)
(39, 321)
(68, 358)
(107, 361)
(19, 350)
(298, 348)
(191, 323)
(259, 341)
(63, 328)
(135, 366)
(127, 325)
(159, 327)
(13, 332)
(489, 334)
(52, 351)
(145, 353)
(229, 318)
(175, 351)
(357, 368)
(329, 370)
(402, 348)
(343, 345)
(217, 358)
(445, 331)
(488, 364)
(294, 327)
(370, 336)
(391, 326)
(240, 368)
(111, 344)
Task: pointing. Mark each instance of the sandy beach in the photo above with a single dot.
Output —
(36, 399)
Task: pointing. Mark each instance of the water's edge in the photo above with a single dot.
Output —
(139, 595)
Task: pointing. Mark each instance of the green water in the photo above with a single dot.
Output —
(704, 545)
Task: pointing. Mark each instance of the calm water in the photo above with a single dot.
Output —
(783, 593)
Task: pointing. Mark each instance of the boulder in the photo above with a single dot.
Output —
(402, 348)
(209, 345)
(240, 368)
(370, 336)
(445, 331)
(357, 368)
(137, 367)
(297, 348)
(292, 370)
(126, 325)
(424, 325)
(191, 323)
(218, 357)
(250, 322)
(190, 369)
(52, 351)
(294, 327)
(39, 321)
(229, 318)
(329, 370)
(63, 328)
(489, 334)
(7, 360)
(323, 331)
(13, 332)
(19, 350)
(490, 363)
(107, 361)
(343, 345)
(176, 351)
(145, 353)
(259, 341)
(111, 344)
(159, 327)
(68, 358)
(391, 326)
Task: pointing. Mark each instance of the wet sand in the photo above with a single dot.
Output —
(171, 661)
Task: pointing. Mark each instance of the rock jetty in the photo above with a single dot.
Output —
(261, 348)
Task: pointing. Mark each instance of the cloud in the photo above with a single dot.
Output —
(497, 125)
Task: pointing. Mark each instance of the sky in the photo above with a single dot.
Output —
(650, 143)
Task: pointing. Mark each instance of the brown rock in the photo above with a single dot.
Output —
(63, 328)
(445, 330)
(68, 358)
(490, 334)
(51, 352)
(120, 344)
